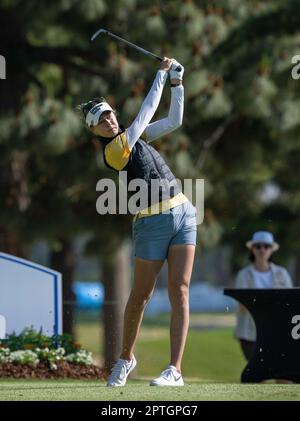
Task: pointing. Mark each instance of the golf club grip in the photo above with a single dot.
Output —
(178, 68)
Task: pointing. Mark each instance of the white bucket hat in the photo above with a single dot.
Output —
(264, 237)
(92, 117)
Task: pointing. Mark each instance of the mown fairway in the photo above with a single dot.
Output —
(17, 390)
(212, 366)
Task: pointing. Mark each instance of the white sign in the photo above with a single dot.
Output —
(30, 296)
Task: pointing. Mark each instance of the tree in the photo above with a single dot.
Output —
(255, 63)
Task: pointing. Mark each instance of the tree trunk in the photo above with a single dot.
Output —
(9, 243)
(116, 278)
(63, 261)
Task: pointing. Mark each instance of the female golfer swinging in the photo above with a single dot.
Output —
(164, 229)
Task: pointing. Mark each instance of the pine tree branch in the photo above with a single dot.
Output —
(284, 20)
(65, 56)
(213, 139)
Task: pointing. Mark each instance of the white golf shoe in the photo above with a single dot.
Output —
(120, 372)
(169, 377)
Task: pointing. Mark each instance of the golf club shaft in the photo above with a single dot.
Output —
(142, 50)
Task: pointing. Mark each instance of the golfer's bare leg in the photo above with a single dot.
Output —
(180, 265)
(145, 275)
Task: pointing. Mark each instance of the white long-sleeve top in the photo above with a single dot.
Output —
(141, 124)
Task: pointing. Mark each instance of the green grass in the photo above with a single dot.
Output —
(53, 390)
(212, 366)
(211, 355)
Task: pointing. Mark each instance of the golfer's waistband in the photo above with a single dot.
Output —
(162, 206)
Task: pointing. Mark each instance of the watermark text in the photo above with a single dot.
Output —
(136, 196)
(2, 67)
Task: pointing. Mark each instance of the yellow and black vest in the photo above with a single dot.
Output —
(142, 162)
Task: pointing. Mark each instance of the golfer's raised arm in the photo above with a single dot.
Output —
(172, 121)
(148, 108)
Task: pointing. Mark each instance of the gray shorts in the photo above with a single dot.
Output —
(153, 235)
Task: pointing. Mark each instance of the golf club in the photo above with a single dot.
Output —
(142, 50)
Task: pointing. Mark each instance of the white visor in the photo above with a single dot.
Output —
(94, 114)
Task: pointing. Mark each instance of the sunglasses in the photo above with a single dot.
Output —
(262, 245)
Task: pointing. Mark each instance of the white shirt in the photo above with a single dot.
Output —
(263, 279)
(148, 108)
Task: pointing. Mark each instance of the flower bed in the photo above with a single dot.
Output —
(34, 355)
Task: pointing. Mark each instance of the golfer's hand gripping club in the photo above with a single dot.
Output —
(176, 71)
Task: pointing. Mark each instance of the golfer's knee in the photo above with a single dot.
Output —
(141, 298)
(179, 296)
